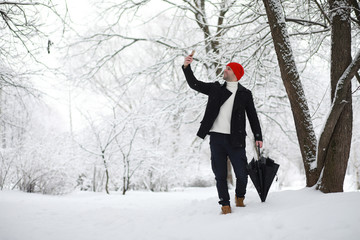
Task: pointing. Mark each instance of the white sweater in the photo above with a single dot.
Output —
(223, 120)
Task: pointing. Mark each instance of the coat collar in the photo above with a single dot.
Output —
(240, 87)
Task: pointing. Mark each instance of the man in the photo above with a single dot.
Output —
(224, 120)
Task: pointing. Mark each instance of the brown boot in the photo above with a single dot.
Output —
(225, 209)
(239, 201)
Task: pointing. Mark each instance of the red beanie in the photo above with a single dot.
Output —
(237, 69)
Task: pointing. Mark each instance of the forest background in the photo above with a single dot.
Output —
(93, 96)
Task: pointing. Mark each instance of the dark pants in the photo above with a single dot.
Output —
(221, 148)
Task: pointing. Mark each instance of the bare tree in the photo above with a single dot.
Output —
(24, 34)
(25, 30)
(126, 156)
(104, 137)
(337, 145)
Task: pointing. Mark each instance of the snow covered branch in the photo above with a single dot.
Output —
(305, 22)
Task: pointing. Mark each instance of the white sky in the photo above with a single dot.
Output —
(56, 88)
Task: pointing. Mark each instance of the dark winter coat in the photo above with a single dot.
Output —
(217, 95)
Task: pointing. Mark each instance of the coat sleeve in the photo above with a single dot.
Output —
(253, 119)
(195, 84)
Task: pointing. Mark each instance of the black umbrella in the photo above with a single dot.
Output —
(262, 173)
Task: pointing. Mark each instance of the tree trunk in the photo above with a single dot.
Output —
(289, 74)
(2, 125)
(106, 172)
(94, 179)
(338, 149)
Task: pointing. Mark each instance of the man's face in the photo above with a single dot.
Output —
(229, 75)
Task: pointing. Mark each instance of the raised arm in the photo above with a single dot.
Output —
(191, 79)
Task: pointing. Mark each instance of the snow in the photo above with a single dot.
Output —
(278, 12)
(191, 213)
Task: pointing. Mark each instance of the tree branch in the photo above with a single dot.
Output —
(20, 3)
(356, 7)
(323, 12)
(305, 22)
(357, 76)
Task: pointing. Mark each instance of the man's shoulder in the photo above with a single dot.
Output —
(216, 84)
(243, 89)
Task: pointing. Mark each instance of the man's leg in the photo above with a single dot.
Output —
(239, 162)
(219, 166)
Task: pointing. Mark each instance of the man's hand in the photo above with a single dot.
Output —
(189, 59)
(259, 144)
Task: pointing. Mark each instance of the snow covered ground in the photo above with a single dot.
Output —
(190, 213)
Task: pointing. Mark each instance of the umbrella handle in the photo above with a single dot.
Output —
(260, 158)
(258, 151)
